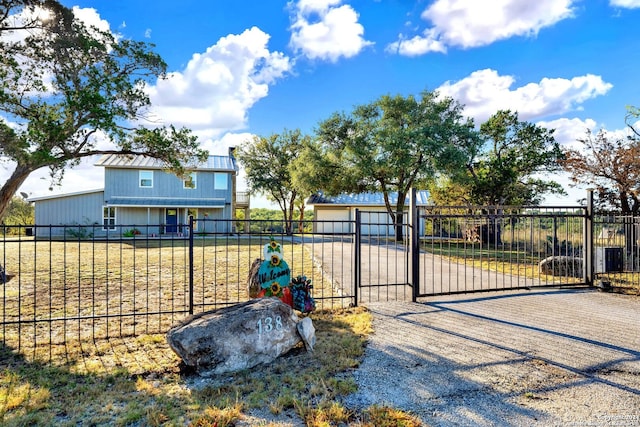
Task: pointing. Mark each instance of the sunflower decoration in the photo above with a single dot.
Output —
(272, 248)
(275, 260)
(274, 275)
(274, 290)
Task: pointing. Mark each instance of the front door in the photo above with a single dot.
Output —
(171, 221)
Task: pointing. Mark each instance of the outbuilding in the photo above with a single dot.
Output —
(336, 214)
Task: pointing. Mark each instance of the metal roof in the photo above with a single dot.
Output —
(214, 163)
(58, 196)
(165, 201)
(364, 199)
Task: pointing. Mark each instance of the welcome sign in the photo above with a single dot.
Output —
(274, 275)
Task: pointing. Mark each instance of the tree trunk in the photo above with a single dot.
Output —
(491, 232)
(399, 226)
(10, 187)
(301, 220)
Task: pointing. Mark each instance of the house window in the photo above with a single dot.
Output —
(190, 181)
(108, 218)
(146, 179)
(221, 181)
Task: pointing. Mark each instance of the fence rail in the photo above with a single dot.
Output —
(76, 283)
(482, 248)
(63, 284)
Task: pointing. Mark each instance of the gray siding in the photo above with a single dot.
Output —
(82, 209)
(125, 183)
(138, 206)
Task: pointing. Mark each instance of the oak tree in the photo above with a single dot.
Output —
(66, 87)
(391, 145)
(509, 168)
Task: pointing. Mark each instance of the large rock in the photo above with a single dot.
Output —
(566, 266)
(236, 338)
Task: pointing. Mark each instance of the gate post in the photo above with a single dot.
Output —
(588, 240)
(357, 258)
(414, 245)
(191, 264)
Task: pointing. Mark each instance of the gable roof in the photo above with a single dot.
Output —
(364, 199)
(123, 161)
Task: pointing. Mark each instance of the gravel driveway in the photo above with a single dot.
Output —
(526, 358)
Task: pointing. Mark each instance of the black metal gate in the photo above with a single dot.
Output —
(460, 249)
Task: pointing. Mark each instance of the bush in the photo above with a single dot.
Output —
(131, 233)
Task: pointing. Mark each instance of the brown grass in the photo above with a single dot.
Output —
(65, 292)
(138, 381)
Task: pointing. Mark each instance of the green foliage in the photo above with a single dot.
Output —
(131, 233)
(63, 84)
(389, 146)
(19, 212)
(266, 161)
(504, 173)
(80, 232)
(270, 220)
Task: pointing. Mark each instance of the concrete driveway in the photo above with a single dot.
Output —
(384, 271)
(532, 357)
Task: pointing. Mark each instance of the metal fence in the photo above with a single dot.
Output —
(64, 284)
(67, 285)
(616, 253)
(483, 248)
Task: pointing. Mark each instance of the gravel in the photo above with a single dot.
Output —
(527, 358)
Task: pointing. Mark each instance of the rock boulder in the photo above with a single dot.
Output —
(567, 266)
(236, 338)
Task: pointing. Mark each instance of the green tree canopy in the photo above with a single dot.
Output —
(63, 84)
(389, 146)
(19, 212)
(508, 168)
(266, 161)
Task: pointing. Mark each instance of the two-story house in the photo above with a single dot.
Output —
(140, 193)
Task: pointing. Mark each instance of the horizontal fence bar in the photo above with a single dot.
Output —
(64, 283)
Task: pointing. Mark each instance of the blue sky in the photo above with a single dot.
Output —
(243, 68)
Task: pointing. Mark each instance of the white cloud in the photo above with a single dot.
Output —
(629, 4)
(568, 131)
(147, 33)
(221, 147)
(91, 18)
(216, 89)
(326, 30)
(417, 45)
(472, 23)
(484, 92)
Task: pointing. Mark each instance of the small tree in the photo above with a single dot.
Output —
(19, 212)
(609, 165)
(266, 161)
(62, 84)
